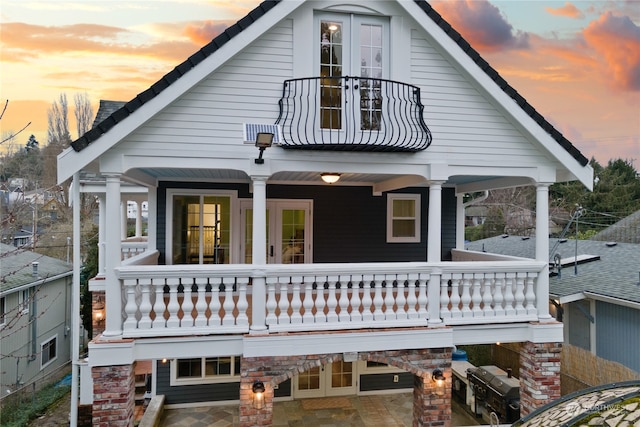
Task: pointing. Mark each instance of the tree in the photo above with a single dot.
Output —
(32, 144)
(83, 113)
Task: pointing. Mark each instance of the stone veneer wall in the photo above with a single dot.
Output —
(428, 409)
(539, 375)
(113, 395)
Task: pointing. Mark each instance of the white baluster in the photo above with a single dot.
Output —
(530, 295)
(367, 302)
(321, 316)
(343, 301)
(159, 306)
(271, 304)
(228, 304)
(401, 299)
(243, 304)
(296, 304)
(356, 302)
(145, 303)
(508, 294)
(307, 317)
(214, 305)
(174, 306)
(498, 295)
(283, 302)
(389, 300)
(423, 282)
(130, 307)
(201, 303)
(187, 302)
(332, 301)
(465, 300)
(445, 298)
(519, 295)
(476, 295)
(412, 299)
(487, 298)
(378, 314)
(456, 280)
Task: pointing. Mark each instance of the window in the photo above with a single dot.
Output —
(403, 218)
(3, 311)
(205, 370)
(200, 228)
(48, 352)
(26, 298)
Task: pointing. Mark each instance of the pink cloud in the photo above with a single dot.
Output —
(568, 10)
(203, 32)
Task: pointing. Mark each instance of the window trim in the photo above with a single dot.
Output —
(203, 379)
(3, 312)
(391, 197)
(55, 357)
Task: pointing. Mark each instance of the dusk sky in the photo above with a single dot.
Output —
(576, 62)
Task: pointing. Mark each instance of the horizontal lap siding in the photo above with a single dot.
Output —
(464, 124)
(377, 382)
(617, 335)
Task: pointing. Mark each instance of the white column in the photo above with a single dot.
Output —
(139, 218)
(152, 208)
(258, 254)
(102, 226)
(460, 221)
(75, 302)
(113, 253)
(434, 251)
(542, 250)
(123, 223)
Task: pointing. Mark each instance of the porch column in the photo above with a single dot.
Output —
(539, 375)
(152, 208)
(125, 217)
(113, 395)
(102, 215)
(542, 251)
(139, 218)
(258, 254)
(113, 254)
(434, 251)
(460, 223)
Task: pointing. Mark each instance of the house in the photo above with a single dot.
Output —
(597, 298)
(35, 319)
(305, 174)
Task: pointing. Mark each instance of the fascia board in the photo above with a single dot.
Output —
(70, 162)
(482, 81)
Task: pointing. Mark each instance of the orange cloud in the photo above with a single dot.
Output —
(616, 39)
(203, 32)
(568, 10)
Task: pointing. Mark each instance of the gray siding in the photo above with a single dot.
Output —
(376, 382)
(618, 334)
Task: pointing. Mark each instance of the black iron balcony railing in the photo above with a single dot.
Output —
(352, 114)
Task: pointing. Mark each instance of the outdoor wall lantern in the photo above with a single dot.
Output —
(98, 311)
(258, 394)
(330, 177)
(438, 377)
(264, 140)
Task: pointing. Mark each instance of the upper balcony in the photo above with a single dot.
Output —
(352, 114)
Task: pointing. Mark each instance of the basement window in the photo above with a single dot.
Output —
(48, 352)
(205, 370)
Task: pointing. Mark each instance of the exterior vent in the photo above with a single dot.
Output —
(611, 244)
(250, 130)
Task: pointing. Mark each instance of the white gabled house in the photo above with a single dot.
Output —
(255, 270)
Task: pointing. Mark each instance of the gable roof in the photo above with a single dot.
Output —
(626, 230)
(128, 108)
(17, 270)
(615, 275)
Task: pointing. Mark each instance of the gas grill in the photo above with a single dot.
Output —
(496, 390)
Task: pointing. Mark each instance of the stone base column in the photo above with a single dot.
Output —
(249, 416)
(539, 375)
(113, 395)
(429, 409)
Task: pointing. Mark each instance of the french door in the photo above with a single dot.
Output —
(333, 379)
(288, 231)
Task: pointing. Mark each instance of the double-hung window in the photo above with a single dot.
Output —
(3, 311)
(48, 352)
(205, 370)
(403, 218)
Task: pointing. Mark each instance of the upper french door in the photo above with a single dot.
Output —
(288, 231)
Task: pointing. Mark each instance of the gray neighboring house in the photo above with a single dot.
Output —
(600, 305)
(35, 316)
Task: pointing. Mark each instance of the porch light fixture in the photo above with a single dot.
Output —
(264, 140)
(330, 177)
(258, 394)
(98, 311)
(438, 377)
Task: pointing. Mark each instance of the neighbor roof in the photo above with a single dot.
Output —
(16, 268)
(626, 230)
(128, 108)
(614, 275)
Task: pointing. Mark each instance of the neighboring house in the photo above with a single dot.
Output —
(259, 274)
(35, 316)
(627, 230)
(597, 299)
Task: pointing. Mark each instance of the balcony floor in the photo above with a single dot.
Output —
(389, 410)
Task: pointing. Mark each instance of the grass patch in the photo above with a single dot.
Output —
(30, 407)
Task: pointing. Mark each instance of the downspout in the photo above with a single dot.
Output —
(75, 303)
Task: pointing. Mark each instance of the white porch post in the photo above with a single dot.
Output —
(434, 251)
(139, 218)
(460, 221)
(123, 223)
(102, 215)
(542, 250)
(113, 254)
(258, 254)
(152, 208)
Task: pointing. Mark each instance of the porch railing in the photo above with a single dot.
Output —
(216, 299)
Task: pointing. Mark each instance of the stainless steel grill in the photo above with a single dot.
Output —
(496, 390)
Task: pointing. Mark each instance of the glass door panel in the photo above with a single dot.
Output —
(292, 235)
